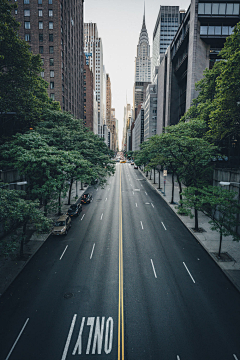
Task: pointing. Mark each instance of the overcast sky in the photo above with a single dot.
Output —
(119, 24)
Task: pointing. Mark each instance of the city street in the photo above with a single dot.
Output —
(129, 281)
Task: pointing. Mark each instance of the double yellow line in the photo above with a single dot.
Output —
(120, 299)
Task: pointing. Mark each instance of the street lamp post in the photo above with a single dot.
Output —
(16, 183)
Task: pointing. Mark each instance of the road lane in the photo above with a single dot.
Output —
(72, 304)
(170, 315)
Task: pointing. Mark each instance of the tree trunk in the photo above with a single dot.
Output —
(22, 239)
(180, 189)
(147, 174)
(82, 185)
(70, 191)
(154, 175)
(59, 204)
(150, 175)
(159, 179)
(172, 199)
(196, 219)
(220, 245)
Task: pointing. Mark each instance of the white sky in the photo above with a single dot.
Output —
(119, 24)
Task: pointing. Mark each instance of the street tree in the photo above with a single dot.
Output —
(17, 212)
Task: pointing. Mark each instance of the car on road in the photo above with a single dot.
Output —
(62, 225)
(74, 210)
(122, 161)
(86, 198)
(135, 166)
(132, 162)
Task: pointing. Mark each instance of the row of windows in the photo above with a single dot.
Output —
(27, 25)
(218, 9)
(40, 13)
(216, 30)
(39, 2)
(51, 49)
(51, 76)
(28, 37)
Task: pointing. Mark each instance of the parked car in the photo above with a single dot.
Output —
(135, 166)
(132, 162)
(62, 225)
(86, 198)
(74, 210)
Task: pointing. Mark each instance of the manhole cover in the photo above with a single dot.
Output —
(68, 295)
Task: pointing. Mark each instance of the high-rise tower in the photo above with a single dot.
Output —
(142, 68)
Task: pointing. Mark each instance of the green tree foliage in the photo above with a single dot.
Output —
(16, 211)
(219, 205)
(22, 91)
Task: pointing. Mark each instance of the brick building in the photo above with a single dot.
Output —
(54, 29)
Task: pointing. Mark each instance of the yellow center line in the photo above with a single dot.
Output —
(120, 299)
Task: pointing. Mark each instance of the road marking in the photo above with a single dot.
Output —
(136, 204)
(133, 192)
(145, 192)
(178, 357)
(120, 299)
(154, 269)
(92, 251)
(136, 189)
(189, 272)
(101, 216)
(141, 185)
(106, 199)
(63, 252)
(10, 352)
(64, 355)
(164, 226)
(152, 205)
(147, 203)
(82, 217)
(235, 357)
(141, 225)
(96, 189)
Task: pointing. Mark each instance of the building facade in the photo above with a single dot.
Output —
(195, 47)
(93, 49)
(54, 29)
(150, 112)
(138, 131)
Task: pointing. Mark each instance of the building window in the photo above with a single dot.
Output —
(27, 24)
(40, 37)
(42, 74)
(52, 85)
(50, 2)
(50, 25)
(50, 13)
(51, 50)
(27, 37)
(51, 62)
(52, 73)
(52, 96)
(26, 12)
(39, 2)
(42, 62)
(26, 1)
(39, 12)
(50, 37)
(40, 49)
(15, 11)
(40, 25)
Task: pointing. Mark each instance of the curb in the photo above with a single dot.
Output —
(224, 271)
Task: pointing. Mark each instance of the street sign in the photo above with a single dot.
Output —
(164, 172)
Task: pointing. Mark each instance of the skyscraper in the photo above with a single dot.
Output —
(142, 68)
(166, 27)
(54, 29)
(94, 52)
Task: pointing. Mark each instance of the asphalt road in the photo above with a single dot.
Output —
(127, 282)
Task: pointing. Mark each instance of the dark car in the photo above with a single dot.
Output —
(74, 210)
(135, 166)
(86, 198)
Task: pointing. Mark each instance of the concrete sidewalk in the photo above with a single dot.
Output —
(230, 262)
(10, 267)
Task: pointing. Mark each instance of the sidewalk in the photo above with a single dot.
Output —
(230, 264)
(12, 266)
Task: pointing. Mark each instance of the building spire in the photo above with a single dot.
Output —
(144, 24)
